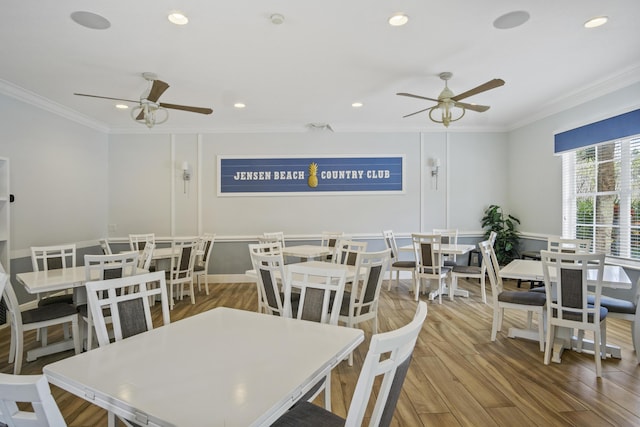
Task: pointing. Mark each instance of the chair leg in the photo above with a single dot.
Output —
(496, 323)
(171, 302)
(416, 286)
(206, 283)
(603, 339)
(541, 318)
(549, 343)
(597, 337)
(12, 344)
(19, 347)
(483, 289)
(327, 393)
(77, 338)
(635, 336)
(193, 295)
(89, 330)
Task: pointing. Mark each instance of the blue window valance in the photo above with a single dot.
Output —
(616, 127)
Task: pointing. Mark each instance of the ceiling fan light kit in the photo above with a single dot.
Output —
(447, 101)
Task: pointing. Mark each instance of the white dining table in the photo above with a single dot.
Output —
(350, 269)
(614, 277)
(223, 367)
(445, 248)
(306, 252)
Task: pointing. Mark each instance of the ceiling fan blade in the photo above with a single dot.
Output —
(106, 97)
(472, 107)
(417, 96)
(491, 84)
(417, 112)
(140, 115)
(157, 89)
(200, 110)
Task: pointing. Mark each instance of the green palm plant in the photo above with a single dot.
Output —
(507, 237)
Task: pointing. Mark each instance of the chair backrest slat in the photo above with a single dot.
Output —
(130, 311)
(53, 257)
(321, 291)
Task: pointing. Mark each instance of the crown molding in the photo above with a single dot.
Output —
(43, 103)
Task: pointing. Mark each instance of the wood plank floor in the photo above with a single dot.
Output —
(458, 377)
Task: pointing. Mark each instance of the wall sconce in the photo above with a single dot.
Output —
(186, 175)
(435, 169)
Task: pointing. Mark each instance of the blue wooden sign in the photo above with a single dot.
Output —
(309, 175)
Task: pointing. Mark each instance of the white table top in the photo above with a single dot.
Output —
(446, 248)
(351, 269)
(307, 251)
(223, 367)
(58, 279)
(52, 280)
(525, 269)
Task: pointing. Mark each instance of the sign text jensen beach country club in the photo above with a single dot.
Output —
(276, 175)
(305, 175)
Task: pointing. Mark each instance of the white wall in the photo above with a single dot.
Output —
(71, 181)
(535, 174)
(58, 176)
(146, 190)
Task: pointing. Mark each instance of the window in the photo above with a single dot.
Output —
(601, 196)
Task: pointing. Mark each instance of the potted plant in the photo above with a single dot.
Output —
(507, 239)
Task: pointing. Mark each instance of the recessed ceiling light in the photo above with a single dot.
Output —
(239, 105)
(511, 20)
(122, 106)
(178, 18)
(276, 19)
(596, 22)
(398, 19)
(357, 104)
(90, 20)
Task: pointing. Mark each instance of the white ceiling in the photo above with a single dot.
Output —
(325, 56)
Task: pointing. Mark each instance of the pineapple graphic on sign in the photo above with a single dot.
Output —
(313, 175)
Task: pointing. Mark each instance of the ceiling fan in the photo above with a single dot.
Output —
(149, 111)
(447, 100)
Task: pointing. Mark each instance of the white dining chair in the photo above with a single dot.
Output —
(360, 303)
(201, 266)
(35, 319)
(388, 357)
(397, 264)
(104, 267)
(568, 305)
(529, 302)
(26, 401)
(429, 264)
(321, 291)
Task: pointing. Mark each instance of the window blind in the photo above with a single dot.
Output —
(601, 196)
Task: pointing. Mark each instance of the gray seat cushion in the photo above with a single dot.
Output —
(307, 414)
(56, 299)
(404, 264)
(467, 269)
(47, 312)
(614, 305)
(525, 298)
